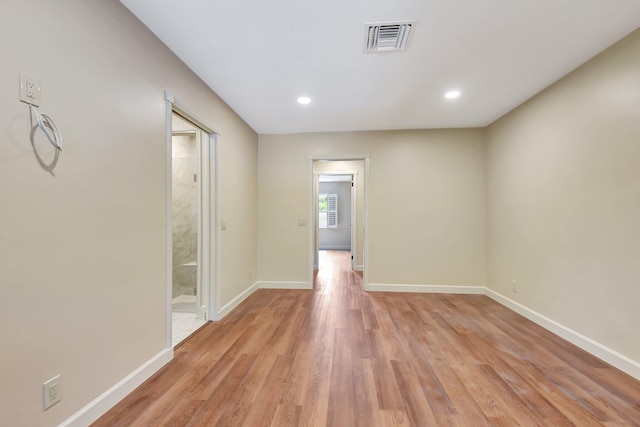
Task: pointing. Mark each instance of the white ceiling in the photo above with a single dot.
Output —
(261, 55)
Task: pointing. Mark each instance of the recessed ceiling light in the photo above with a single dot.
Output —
(452, 94)
(304, 100)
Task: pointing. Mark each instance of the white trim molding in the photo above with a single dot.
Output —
(107, 400)
(284, 285)
(430, 289)
(598, 350)
(235, 302)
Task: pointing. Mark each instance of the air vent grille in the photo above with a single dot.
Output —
(388, 36)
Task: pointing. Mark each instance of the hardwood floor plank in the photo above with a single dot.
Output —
(287, 416)
(368, 313)
(212, 409)
(368, 387)
(342, 393)
(263, 406)
(589, 397)
(314, 396)
(533, 400)
(338, 356)
(394, 419)
(245, 397)
(178, 415)
(436, 395)
(509, 400)
(564, 403)
(363, 405)
(386, 383)
(619, 385)
(415, 402)
(461, 397)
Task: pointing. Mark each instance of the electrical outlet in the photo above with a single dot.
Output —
(51, 392)
(29, 90)
(514, 286)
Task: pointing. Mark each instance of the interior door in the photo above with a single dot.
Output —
(354, 228)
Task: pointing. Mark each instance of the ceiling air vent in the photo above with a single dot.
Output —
(388, 36)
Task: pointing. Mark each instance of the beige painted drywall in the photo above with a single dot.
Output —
(426, 206)
(564, 200)
(83, 247)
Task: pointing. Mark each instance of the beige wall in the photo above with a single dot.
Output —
(426, 206)
(83, 249)
(564, 200)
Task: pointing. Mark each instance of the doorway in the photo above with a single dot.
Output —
(191, 213)
(353, 171)
(336, 217)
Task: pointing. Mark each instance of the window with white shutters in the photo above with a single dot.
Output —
(328, 211)
(332, 211)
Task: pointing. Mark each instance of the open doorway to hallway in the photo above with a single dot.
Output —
(339, 209)
(335, 214)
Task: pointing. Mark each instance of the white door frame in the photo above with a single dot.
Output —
(354, 221)
(209, 239)
(313, 217)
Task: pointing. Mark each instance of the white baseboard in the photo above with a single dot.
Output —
(107, 400)
(284, 285)
(236, 301)
(432, 289)
(600, 351)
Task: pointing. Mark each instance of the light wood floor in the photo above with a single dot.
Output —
(337, 356)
